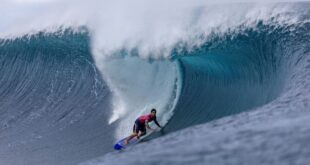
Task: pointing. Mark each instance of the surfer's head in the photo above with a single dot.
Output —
(153, 112)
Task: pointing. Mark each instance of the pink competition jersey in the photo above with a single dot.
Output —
(148, 117)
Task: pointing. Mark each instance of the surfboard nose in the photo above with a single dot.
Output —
(117, 146)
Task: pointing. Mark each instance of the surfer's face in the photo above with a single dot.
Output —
(153, 113)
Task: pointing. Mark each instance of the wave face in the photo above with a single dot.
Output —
(68, 90)
(230, 75)
(52, 100)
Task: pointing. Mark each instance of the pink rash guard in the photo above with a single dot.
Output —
(148, 117)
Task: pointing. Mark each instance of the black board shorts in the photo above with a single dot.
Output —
(139, 127)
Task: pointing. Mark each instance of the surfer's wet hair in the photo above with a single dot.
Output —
(153, 110)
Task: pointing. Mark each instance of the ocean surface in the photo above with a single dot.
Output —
(230, 82)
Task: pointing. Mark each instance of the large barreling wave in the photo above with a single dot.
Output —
(73, 82)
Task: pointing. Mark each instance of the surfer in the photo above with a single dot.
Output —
(139, 128)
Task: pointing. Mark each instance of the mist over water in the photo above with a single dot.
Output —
(152, 29)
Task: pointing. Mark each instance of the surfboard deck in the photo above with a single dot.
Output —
(121, 144)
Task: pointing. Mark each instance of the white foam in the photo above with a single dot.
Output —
(153, 28)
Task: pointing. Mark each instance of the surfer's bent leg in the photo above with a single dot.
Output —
(142, 131)
(135, 132)
(130, 137)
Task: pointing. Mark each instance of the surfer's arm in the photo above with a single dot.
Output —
(156, 122)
